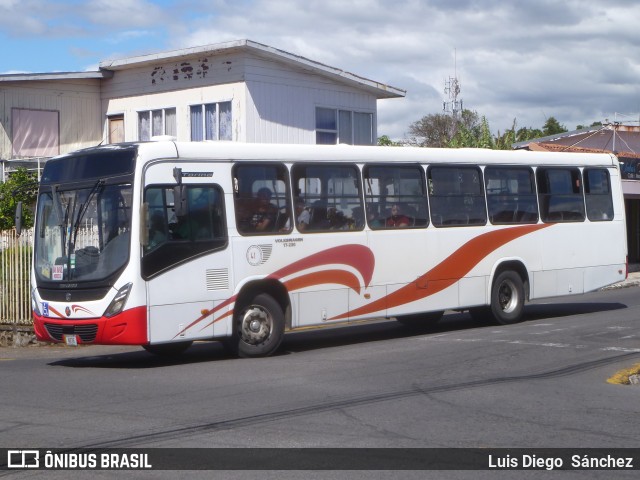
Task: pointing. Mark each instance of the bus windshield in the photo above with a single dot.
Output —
(83, 234)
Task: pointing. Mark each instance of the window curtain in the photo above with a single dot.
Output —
(144, 126)
(210, 122)
(156, 123)
(196, 123)
(226, 124)
(170, 122)
(345, 134)
(363, 128)
(35, 133)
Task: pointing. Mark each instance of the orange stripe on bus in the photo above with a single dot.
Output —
(447, 272)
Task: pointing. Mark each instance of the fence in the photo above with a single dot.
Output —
(15, 265)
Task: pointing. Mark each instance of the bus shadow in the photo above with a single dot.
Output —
(451, 322)
(199, 352)
(327, 337)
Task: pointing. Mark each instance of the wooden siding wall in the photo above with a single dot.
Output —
(77, 101)
(281, 107)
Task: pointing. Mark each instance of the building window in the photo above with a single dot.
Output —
(36, 133)
(335, 126)
(211, 121)
(152, 123)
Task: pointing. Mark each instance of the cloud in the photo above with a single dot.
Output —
(125, 14)
(575, 60)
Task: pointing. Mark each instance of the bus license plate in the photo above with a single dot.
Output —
(71, 340)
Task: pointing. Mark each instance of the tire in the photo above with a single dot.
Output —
(168, 349)
(420, 320)
(507, 298)
(258, 328)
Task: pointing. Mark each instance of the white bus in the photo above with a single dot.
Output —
(162, 243)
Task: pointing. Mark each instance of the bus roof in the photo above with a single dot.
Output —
(358, 154)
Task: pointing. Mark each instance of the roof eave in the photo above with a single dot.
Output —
(31, 77)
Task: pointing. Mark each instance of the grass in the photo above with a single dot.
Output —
(622, 377)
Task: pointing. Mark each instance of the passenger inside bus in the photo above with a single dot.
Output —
(264, 217)
(397, 218)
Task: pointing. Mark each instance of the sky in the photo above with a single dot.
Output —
(575, 60)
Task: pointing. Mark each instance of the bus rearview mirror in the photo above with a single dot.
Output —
(180, 200)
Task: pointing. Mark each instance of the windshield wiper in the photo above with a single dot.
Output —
(57, 206)
(83, 208)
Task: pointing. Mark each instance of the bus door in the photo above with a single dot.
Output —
(185, 259)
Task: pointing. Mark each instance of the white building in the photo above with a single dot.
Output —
(240, 91)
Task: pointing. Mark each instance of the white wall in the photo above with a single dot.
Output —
(181, 100)
(282, 102)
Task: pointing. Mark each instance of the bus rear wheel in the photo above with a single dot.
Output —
(507, 298)
(258, 327)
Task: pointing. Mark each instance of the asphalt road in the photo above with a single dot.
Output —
(537, 384)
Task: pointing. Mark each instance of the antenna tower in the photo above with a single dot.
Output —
(453, 106)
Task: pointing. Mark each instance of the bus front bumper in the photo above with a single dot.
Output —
(126, 328)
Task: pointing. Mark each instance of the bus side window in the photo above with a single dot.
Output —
(262, 199)
(332, 195)
(511, 195)
(560, 194)
(457, 196)
(171, 239)
(597, 187)
(395, 196)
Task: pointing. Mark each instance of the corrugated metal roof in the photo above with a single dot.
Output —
(620, 139)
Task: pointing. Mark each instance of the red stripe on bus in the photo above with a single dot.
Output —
(357, 256)
(338, 277)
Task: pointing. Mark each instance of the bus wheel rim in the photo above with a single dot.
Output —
(508, 296)
(255, 325)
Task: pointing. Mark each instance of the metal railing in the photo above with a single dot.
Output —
(15, 265)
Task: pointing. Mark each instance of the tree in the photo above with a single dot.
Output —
(552, 127)
(21, 186)
(434, 130)
(439, 130)
(385, 141)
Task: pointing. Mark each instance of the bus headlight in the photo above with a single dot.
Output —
(117, 304)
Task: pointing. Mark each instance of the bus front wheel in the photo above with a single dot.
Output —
(258, 327)
(507, 298)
